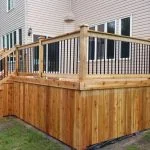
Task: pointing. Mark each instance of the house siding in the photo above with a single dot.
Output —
(101, 11)
(46, 18)
(12, 20)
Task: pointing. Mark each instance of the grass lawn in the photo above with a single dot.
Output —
(16, 136)
(139, 142)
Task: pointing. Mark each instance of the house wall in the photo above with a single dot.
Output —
(47, 18)
(100, 11)
(12, 20)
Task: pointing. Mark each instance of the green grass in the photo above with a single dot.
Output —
(19, 137)
(147, 136)
(132, 147)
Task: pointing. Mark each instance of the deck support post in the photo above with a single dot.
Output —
(41, 56)
(83, 52)
(5, 67)
(17, 60)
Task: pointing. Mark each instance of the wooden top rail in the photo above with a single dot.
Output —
(1, 51)
(31, 45)
(116, 37)
(118, 76)
(51, 40)
(7, 53)
(61, 37)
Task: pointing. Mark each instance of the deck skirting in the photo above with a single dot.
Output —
(75, 116)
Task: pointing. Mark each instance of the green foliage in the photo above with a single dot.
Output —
(18, 137)
(132, 147)
(147, 136)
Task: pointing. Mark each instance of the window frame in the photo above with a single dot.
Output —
(9, 8)
(47, 36)
(105, 30)
(131, 26)
(9, 36)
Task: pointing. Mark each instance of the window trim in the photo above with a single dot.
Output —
(11, 8)
(5, 36)
(131, 32)
(105, 30)
(38, 33)
(131, 24)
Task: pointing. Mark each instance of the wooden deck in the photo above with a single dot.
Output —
(75, 116)
(82, 102)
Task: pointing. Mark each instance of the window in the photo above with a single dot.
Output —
(101, 43)
(125, 30)
(91, 46)
(7, 41)
(10, 4)
(53, 57)
(15, 38)
(110, 43)
(20, 36)
(11, 42)
(3, 41)
(12, 38)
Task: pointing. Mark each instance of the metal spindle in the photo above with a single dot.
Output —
(118, 56)
(64, 58)
(144, 57)
(74, 56)
(89, 43)
(77, 56)
(70, 56)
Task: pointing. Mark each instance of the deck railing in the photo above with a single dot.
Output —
(7, 62)
(81, 54)
(117, 55)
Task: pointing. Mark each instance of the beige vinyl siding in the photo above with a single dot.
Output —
(12, 20)
(46, 17)
(101, 11)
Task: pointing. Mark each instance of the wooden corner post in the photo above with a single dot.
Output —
(41, 56)
(17, 60)
(5, 67)
(83, 52)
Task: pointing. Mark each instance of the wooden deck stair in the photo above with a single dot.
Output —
(5, 74)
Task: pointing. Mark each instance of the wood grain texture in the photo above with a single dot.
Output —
(78, 118)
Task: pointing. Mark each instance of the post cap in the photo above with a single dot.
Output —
(41, 38)
(84, 25)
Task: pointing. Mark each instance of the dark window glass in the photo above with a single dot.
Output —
(36, 54)
(111, 27)
(15, 38)
(36, 58)
(3, 41)
(91, 46)
(110, 43)
(100, 44)
(125, 49)
(44, 61)
(125, 30)
(53, 57)
(125, 26)
(92, 28)
(101, 27)
(100, 48)
(20, 36)
(7, 41)
(8, 4)
(10, 40)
